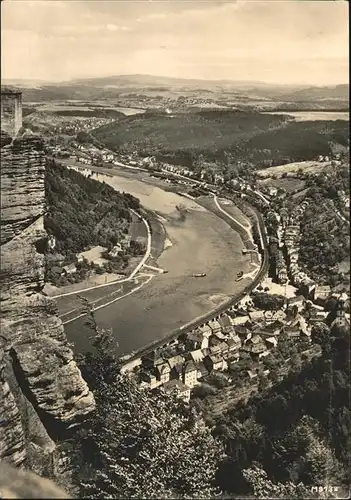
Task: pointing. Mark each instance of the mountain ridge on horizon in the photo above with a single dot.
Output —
(166, 79)
(94, 88)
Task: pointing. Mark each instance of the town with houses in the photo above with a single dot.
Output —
(76, 125)
(243, 330)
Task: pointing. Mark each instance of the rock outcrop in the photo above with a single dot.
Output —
(42, 390)
(15, 483)
(12, 438)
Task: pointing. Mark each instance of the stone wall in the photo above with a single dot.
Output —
(11, 111)
(41, 388)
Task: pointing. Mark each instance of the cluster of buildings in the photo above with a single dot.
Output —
(73, 126)
(285, 243)
(291, 227)
(243, 331)
(91, 155)
(335, 157)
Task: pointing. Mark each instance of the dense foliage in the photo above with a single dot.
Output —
(224, 136)
(82, 212)
(139, 444)
(302, 140)
(94, 112)
(268, 302)
(296, 432)
(182, 137)
(325, 235)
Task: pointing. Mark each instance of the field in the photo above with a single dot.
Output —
(245, 234)
(235, 212)
(290, 184)
(309, 167)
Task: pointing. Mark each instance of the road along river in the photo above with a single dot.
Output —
(198, 242)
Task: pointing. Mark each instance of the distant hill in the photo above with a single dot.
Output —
(23, 83)
(110, 86)
(247, 136)
(156, 81)
(250, 93)
(185, 134)
(338, 92)
(302, 140)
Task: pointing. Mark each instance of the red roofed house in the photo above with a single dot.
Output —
(320, 294)
(215, 326)
(197, 356)
(197, 340)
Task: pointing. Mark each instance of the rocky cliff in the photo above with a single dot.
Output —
(15, 483)
(42, 392)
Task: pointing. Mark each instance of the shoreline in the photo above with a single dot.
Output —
(133, 278)
(172, 301)
(116, 281)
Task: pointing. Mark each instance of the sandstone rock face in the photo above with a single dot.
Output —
(22, 185)
(15, 483)
(33, 337)
(12, 438)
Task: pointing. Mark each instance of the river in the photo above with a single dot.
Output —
(313, 115)
(201, 242)
(130, 111)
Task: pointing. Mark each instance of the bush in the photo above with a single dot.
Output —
(203, 390)
(218, 380)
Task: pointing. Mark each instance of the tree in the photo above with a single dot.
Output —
(140, 444)
(274, 377)
(320, 334)
(268, 302)
(295, 362)
(149, 446)
(99, 368)
(262, 487)
(321, 466)
(263, 383)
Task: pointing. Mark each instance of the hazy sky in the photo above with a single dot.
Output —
(275, 41)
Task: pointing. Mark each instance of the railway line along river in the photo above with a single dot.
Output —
(198, 241)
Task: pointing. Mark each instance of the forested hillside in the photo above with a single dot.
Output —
(82, 212)
(323, 227)
(184, 136)
(252, 137)
(302, 140)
